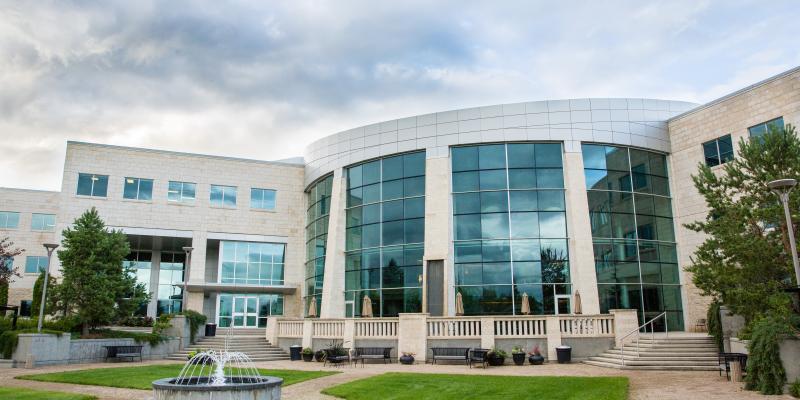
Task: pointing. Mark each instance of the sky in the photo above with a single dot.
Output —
(263, 79)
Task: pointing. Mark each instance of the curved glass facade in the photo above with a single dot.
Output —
(633, 233)
(510, 230)
(385, 234)
(319, 206)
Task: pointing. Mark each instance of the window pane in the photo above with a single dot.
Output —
(414, 164)
(522, 178)
(100, 188)
(371, 172)
(493, 179)
(465, 181)
(520, 155)
(551, 200)
(84, 184)
(552, 225)
(131, 188)
(216, 195)
(548, 155)
(494, 202)
(494, 225)
(492, 156)
(710, 153)
(467, 203)
(414, 208)
(392, 210)
(145, 189)
(594, 156)
(392, 168)
(414, 186)
(393, 190)
(550, 178)
(524, 225)
(465, 158)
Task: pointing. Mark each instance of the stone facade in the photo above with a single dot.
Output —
(775, 97)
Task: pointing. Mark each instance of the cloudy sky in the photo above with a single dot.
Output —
(261, 79)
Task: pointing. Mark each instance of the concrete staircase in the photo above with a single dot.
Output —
(248, 341)
(676, 352)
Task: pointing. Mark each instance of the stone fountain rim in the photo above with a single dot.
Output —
(267, 382)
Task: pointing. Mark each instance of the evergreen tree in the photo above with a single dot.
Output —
(95, 282)
(745, 260)
(37, 294)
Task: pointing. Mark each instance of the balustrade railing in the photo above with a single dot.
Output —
(522, 327)
(290, 328)
(328, 329)
(586, 325)
(455, 328)
(385, 328)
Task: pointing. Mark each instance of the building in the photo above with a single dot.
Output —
(546, 198)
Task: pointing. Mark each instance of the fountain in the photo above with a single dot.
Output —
(223, 375)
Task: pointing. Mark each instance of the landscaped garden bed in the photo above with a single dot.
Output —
(412, 386)
(142, 377)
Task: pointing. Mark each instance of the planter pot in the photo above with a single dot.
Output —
(319, 356)
(536, 360)
(496, 361)
(308, 357)
(519, 358)
(406, 360)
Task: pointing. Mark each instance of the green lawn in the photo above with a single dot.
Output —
(30, 394)
(142, 377)
(441, 387)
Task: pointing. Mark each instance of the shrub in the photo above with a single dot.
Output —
(135, 321)
(151, 338)
(497, 353)
(196, 320)
(308, 350)
(764, 369)
(794, 389)
(715, 323)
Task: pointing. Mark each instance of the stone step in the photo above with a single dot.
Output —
(632, 352)
(651, 367)
(657, 362)
(256, 359)
(671, 346)
(658, 357)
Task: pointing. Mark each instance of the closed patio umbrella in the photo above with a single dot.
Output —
(366, 307)
(576, 307)
(459, 305)
(526, 304)
(312, 308)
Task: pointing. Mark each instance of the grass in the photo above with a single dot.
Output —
(142, 377)
(401, 386)
(30, 394)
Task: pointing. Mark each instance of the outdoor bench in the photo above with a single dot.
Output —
(129, 351)
(450, 354)
(373, 353)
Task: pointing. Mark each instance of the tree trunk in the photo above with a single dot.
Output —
(85, 329)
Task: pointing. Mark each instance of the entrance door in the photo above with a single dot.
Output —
(245, 311)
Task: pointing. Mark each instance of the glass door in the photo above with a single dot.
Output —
(245, 311)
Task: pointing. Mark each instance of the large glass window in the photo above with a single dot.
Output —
(251, 263)
(43, 222)
(92, 185)
(630, 212)
(138, 189)
(764, 127)
(262, 199)
(223, 196)
(317, 216)
(385, 234)
(182, 192)
(139, 263)
(9, 220)
(170, 278)
(718, 151)
(35, 264)
(510, 228)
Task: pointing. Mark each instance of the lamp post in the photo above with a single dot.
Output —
(50, 248)
(186, 269)
(782, 187)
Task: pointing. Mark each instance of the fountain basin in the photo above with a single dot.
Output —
(235, 388)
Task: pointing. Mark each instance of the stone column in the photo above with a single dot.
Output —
(625, 322)
(349, 333)
(197, 271)
(437, 226)
(553, 336)
(412, 335)
(487, 332)
(271, 332)
(308, 331)
(581, 253)
(333, 281)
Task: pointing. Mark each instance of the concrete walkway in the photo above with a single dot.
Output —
(643, 384)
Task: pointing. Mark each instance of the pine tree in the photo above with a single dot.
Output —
(745, 260)
(94, 279)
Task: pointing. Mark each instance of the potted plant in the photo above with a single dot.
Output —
(204, 359)
(319, 356)
(535, 356)
(407, 358)
(308, 354)
(518, 354)
(496, 357)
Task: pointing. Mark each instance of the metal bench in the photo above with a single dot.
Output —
(337, 360)
(479, 356)
(373, 353)
(450, 354)
(130, 351)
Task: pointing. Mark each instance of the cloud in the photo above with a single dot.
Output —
(270, 77)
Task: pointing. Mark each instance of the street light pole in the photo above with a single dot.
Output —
(50, 248)
(186, 269)
(782, 187)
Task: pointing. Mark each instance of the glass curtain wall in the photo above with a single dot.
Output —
(248, 310)
(385, 235)
(319, 206)
(633, 233)
(170, 278)
(140, 262)
(252, 263)
(510, 233)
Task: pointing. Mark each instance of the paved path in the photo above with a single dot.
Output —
(644, 385)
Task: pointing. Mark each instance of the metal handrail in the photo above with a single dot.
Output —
(652, 334)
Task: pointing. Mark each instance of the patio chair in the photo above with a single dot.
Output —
(479, 356)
